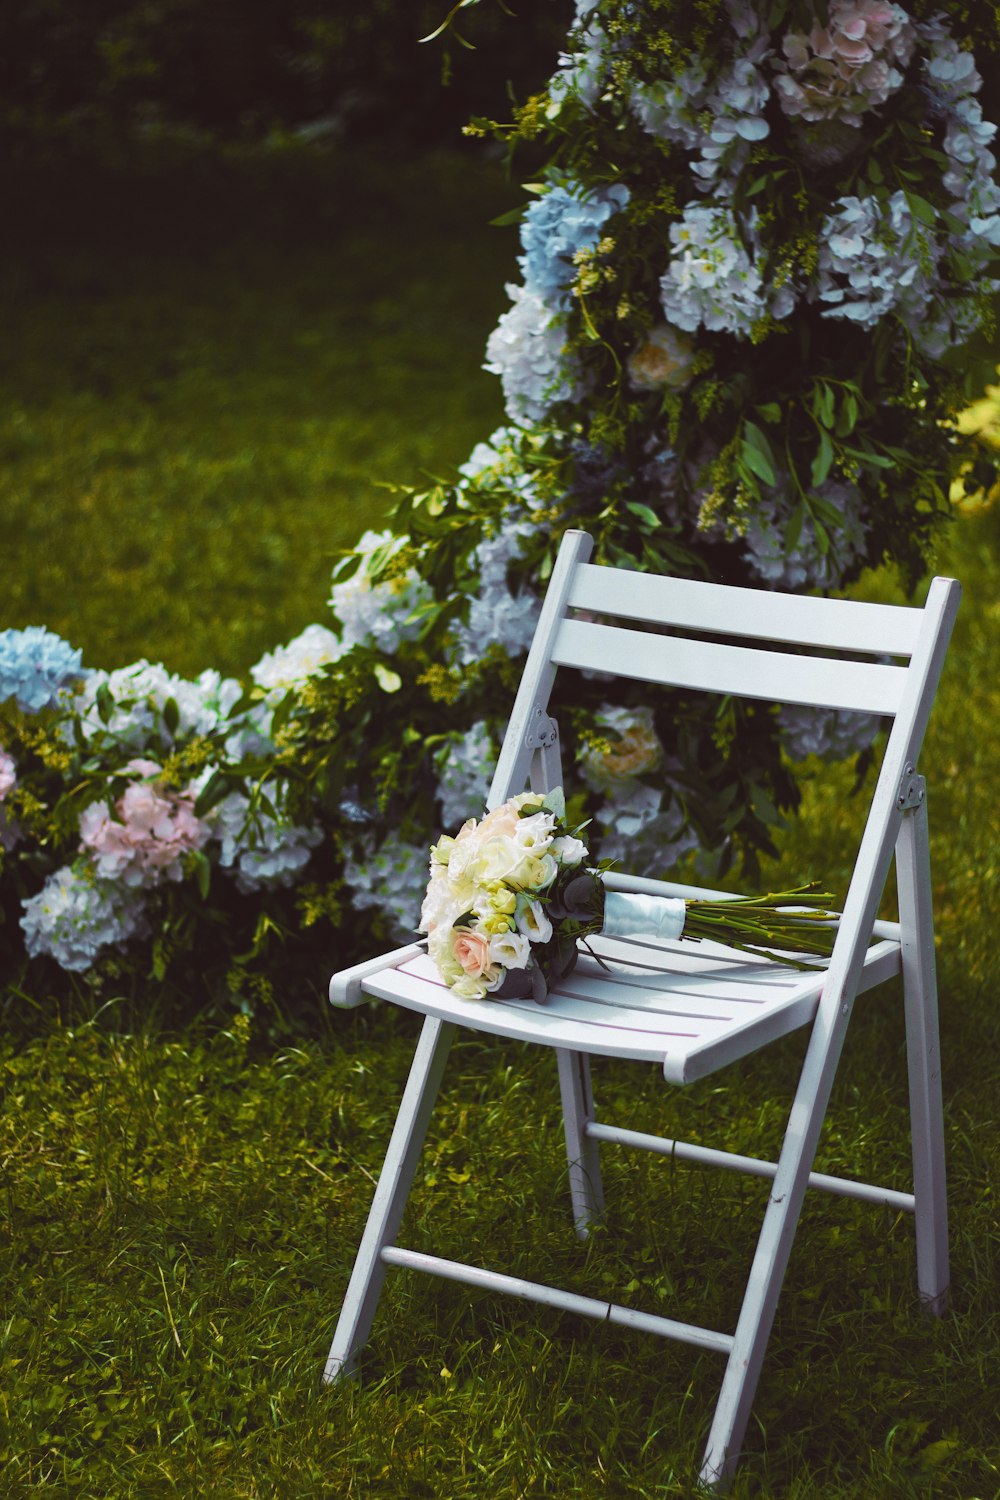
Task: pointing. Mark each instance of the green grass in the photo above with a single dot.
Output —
(180, 1208)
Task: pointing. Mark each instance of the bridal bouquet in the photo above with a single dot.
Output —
(509, 897)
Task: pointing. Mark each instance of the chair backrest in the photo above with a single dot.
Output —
(691, 635)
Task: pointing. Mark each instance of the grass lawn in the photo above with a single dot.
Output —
(207, 371)
(187, 435)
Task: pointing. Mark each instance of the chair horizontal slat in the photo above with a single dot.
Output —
(821, 682)
(841, 624)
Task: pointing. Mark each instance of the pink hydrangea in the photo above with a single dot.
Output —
(839, 71)
(148, 836)
(8, 773)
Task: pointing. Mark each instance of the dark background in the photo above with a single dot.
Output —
(244, 69)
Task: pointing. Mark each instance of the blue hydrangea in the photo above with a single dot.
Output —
(34, 664)
(554, 228)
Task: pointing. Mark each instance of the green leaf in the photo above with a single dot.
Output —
(824, 403)
(171, 715)
(876, 460)
(823, 462)
(555, 803)
(794, 528)
(770, 411)
(512, 216)
(757, 452)
(105, 703)
(848, 418)
(203, 872)
(388, 681)
(921, 209)
(649, 517)
(215, 789)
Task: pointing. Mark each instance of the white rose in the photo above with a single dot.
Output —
(532, 921)
(511, 949)
(568, 850)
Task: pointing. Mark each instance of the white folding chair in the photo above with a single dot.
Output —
(697, 1006)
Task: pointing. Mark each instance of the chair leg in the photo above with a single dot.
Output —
(923, 1059)
(395, 1181)
(781, 1217)
(585, 1186)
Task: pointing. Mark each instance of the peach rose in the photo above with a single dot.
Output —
(472, 950)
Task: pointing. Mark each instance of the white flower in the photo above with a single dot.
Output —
(381, 613)
(569, 850)
(75, 916)
(286, 666)
(712, 282)
(465, 766)
(526, 351)
(265, 852)
(511, 949)
(834, 734)
(392, 878)
(531, 920)
(140, 695)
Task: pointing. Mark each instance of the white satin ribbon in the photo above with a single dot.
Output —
(629, 915)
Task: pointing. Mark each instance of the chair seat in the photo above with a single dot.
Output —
(689, 1005)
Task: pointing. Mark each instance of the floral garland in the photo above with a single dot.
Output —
(749, 278)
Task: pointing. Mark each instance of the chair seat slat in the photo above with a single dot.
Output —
(688, 1029)
(722, 609)
(865, 687)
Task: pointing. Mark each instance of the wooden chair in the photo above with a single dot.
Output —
(697, 1006)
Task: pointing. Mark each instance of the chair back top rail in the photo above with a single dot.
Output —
(721, 609)
(711, 666)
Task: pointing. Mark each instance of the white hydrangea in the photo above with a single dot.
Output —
(391, 878)
(639, 832)
(9, 832)
(834, 734)
(264, 851)
(712, 282)
(526, 351)
(716, 120)
(74, 916)
(465, 767)
(954, 82)
(875, 258)
(374, 612)
(140, 694)
(806, 565)
(286, 666)
(583, 70)
(496, 614)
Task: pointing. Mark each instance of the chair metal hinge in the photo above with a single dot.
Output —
(541, 731)
(912, 789)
